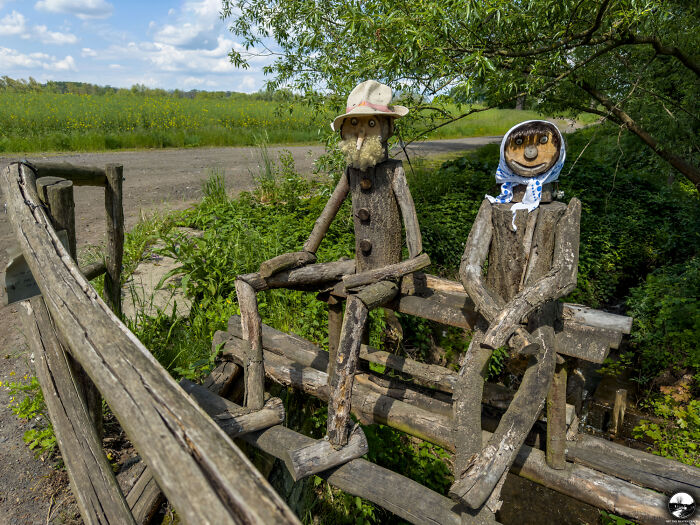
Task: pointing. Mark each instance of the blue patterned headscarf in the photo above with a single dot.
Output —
(508, 179)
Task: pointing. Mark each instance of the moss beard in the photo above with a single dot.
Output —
(370, 154)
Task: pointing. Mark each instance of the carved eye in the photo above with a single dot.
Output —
(353, 121)
(372, 123)
(544, 140)
(519, 141)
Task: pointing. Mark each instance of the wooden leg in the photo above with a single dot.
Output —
(335, 322)
(346, 362)
(252, 333)
(556, 419)
(485, 469)
(466, 406)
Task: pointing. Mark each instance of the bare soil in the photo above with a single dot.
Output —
(31, 491)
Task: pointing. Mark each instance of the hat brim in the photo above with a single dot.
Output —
(363, 111)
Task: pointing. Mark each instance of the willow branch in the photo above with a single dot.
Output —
(691, 172)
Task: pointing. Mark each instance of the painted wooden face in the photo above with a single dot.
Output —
(532, 149)
(359, 128)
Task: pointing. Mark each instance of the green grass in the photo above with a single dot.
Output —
(44, 121)
(73, 122)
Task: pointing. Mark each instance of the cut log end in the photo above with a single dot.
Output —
(321, 455)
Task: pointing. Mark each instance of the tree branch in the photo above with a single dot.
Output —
(661, 49)
(691, 172)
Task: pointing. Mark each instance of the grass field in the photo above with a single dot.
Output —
(41, 121)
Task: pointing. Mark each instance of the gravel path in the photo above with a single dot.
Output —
(154, 180)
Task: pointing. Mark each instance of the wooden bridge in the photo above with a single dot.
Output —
(184, 432)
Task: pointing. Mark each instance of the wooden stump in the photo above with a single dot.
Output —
(322, 455)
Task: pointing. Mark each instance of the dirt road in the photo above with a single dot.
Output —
(154, 180)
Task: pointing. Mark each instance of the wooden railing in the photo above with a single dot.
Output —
(200, 470)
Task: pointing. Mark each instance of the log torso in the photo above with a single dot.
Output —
(376, 216)
(519, 258)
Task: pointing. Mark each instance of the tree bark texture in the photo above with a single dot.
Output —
(252, 333)
(376, 216)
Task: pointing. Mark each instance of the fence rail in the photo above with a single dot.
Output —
(200, 470)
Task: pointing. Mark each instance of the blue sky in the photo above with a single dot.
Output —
(181, 44)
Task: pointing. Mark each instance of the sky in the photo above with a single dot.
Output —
(181, 44)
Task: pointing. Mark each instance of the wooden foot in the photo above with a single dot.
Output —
(235, 420)
(321, 455)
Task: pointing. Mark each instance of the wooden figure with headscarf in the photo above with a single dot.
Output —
(531, 244)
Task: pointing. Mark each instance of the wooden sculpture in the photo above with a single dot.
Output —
(380, 199)
(532, 250)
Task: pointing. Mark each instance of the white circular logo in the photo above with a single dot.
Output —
(681, 505)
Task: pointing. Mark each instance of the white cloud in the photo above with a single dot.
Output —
(11, 59)
(87, 52)
(116, 66)
(67, 64)
(54, 37)
(13, 24)
(83, 9)
(248, 84)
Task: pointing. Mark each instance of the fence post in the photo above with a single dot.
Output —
(115, 236)
(57, 194)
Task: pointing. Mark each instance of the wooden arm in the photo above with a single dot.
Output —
(328, 214)
(408, 212)
(558, 282)
(476, 250)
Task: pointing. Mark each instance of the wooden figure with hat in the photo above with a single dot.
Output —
(531, 244)
(380, 200)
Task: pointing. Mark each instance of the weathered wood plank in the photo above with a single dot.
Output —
(115, 236)
(95, 488)
(656, 472)
(79, 175)
(144, 497)
(222, 485)
(556, 419)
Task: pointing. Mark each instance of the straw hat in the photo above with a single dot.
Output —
(369, 98)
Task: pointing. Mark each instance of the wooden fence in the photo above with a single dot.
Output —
(84, 350)
(200, 470)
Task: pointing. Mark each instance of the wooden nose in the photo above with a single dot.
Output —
(531, 152)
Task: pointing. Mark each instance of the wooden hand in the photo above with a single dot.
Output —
(286, 261)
